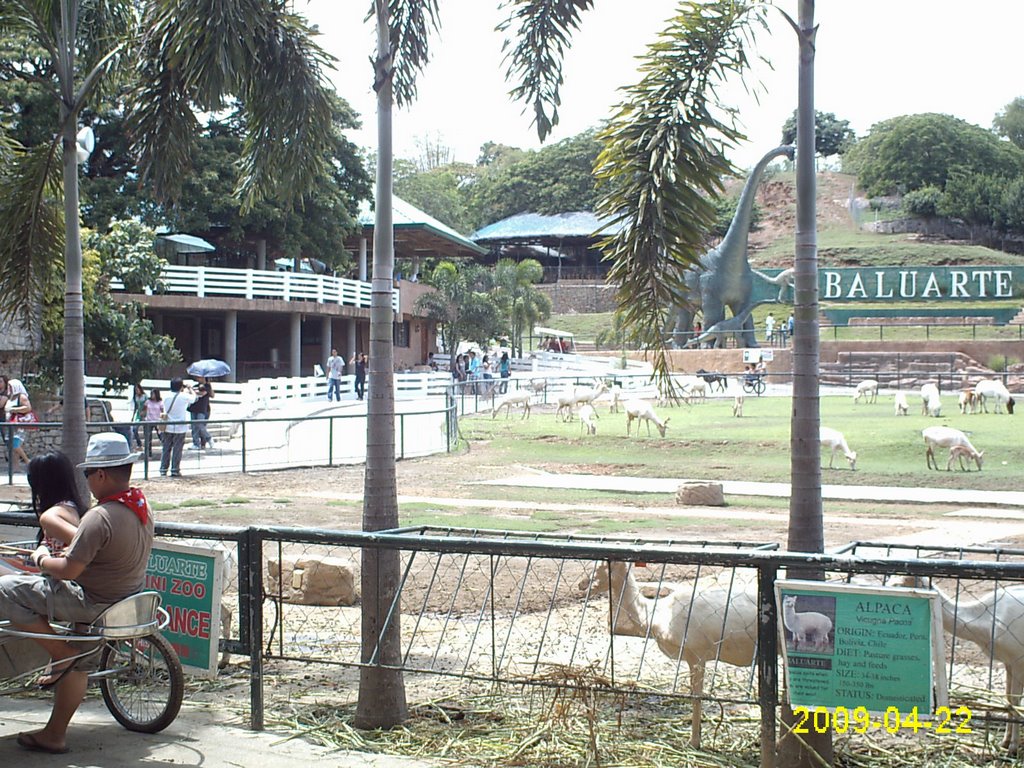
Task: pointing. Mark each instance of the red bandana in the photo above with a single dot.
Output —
(134, 500)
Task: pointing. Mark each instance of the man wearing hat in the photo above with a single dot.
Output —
(105, 562)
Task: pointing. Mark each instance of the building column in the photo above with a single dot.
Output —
(362, 259)
(350, 340)
(231, 343)
(326, 339)
(296, 344)
(197, 338)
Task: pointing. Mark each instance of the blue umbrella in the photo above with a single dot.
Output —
(209, 369)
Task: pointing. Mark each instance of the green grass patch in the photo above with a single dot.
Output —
(235, 500)
(188, 503)
(281, 501)
(158, 506)
(705, 441)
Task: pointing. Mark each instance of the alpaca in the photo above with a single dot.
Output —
(701, 622)
(806, 626)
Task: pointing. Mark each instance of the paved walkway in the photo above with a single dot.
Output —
(198, 737)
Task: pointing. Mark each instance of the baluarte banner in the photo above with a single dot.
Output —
(915, 283)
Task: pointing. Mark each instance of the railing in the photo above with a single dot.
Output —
(480, 607)
(264, 284)
(246, 445)
(895, 331)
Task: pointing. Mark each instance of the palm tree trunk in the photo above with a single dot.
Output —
(806, 532)
(381, 701)
(73, 416)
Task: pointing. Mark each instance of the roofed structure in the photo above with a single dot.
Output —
(417, 234)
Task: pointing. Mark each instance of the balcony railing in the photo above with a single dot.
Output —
(264, 284)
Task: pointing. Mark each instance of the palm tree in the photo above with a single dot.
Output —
(460, 304)
(521, 304)
(169, 57)
(403, 26)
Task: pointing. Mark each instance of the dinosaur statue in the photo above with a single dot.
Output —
(718, 335)
(723, 277)
(785, 280)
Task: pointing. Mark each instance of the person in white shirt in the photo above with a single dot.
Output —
(769, 326)
(335, 369)
(173, 437)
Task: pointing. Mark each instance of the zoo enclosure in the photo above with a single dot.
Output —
(498, 607)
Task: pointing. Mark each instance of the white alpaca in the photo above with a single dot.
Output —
(868, 389)
(902, 407)
(616, 397)
(960, 452)
(931, 403)
(514, 398)
(989, 389)
(947, 437)
(582, 396)
(737, 406)
(588, 419)
(806, 626)
(565, 403)
(697, 623)
(638, 410)
(995, 623)
(834, 440)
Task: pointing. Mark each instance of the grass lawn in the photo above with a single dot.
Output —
(705, 441)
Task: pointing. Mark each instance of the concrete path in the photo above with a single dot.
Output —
(199, 737)
(538, 479)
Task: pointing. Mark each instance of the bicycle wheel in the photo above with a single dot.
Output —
(760, 387)
(142, 682)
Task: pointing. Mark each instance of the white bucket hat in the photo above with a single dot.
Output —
(108, 449)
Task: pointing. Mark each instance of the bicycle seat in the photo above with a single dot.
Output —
(134, 616)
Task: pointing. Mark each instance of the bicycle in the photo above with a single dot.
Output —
(139, 674)
(754, 384)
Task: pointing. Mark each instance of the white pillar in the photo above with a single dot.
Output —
(261, 254)
(296, 344)
(362, 259)
(326, 341)
(231, 343)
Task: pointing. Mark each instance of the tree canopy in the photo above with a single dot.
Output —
(908, 152)
(1010, 122)
(832, 136)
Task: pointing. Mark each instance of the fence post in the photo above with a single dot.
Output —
(767, 662)
(243, 446)
(401, 436)
(250, 560)
(330, 442)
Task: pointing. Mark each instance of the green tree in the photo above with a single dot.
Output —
(913, 151)
(461, 304)
(1010, 122)
(520, 303)
(542, 29)
(832, 136)
(554, 179)
(440, 192)
(923, 202)
(170, 57)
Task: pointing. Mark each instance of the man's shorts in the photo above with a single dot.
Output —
(23, 598)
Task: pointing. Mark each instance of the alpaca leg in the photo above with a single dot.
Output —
(697, 689)
(1011, 739)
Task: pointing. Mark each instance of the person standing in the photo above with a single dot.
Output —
(335, 370)
(505, 371)
(18, 406)
(769, 327)
(138, 406)
(790, 325)
(359, 361)
(175, 428)
(105, 563)
(200, 410)
(154, 407)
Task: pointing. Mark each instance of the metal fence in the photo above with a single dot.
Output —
(530, 610)
(241, 445)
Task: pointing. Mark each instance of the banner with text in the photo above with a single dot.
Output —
(190, 581)
(853, 646)
(970, 283)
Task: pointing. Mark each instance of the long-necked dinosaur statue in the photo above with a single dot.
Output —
(724, 277)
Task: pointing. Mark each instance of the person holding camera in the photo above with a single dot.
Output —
(175, 418)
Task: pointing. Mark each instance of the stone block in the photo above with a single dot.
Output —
(305, 580)
(700, 495)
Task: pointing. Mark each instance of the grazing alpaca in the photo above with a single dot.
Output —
(638, 410)
(697, 623)
(514, 398)
(868, 389)
(806, 626)
(834, 440)
(588, 419)
(902, 406)
(947, 437)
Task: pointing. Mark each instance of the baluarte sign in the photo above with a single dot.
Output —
(853, 646)
(918, 283)
(190, 581)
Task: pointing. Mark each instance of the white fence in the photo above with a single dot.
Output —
(264, 284)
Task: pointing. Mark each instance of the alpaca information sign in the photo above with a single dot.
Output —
(851, 647)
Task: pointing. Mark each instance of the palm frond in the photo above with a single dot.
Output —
(31, 228)
(543, 29)
(411, 25)
(664, 156)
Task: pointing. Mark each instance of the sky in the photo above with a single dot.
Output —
(876, 59)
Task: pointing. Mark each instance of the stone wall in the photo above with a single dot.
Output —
(569, 296)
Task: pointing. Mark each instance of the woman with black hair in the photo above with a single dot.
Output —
(55, 500)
